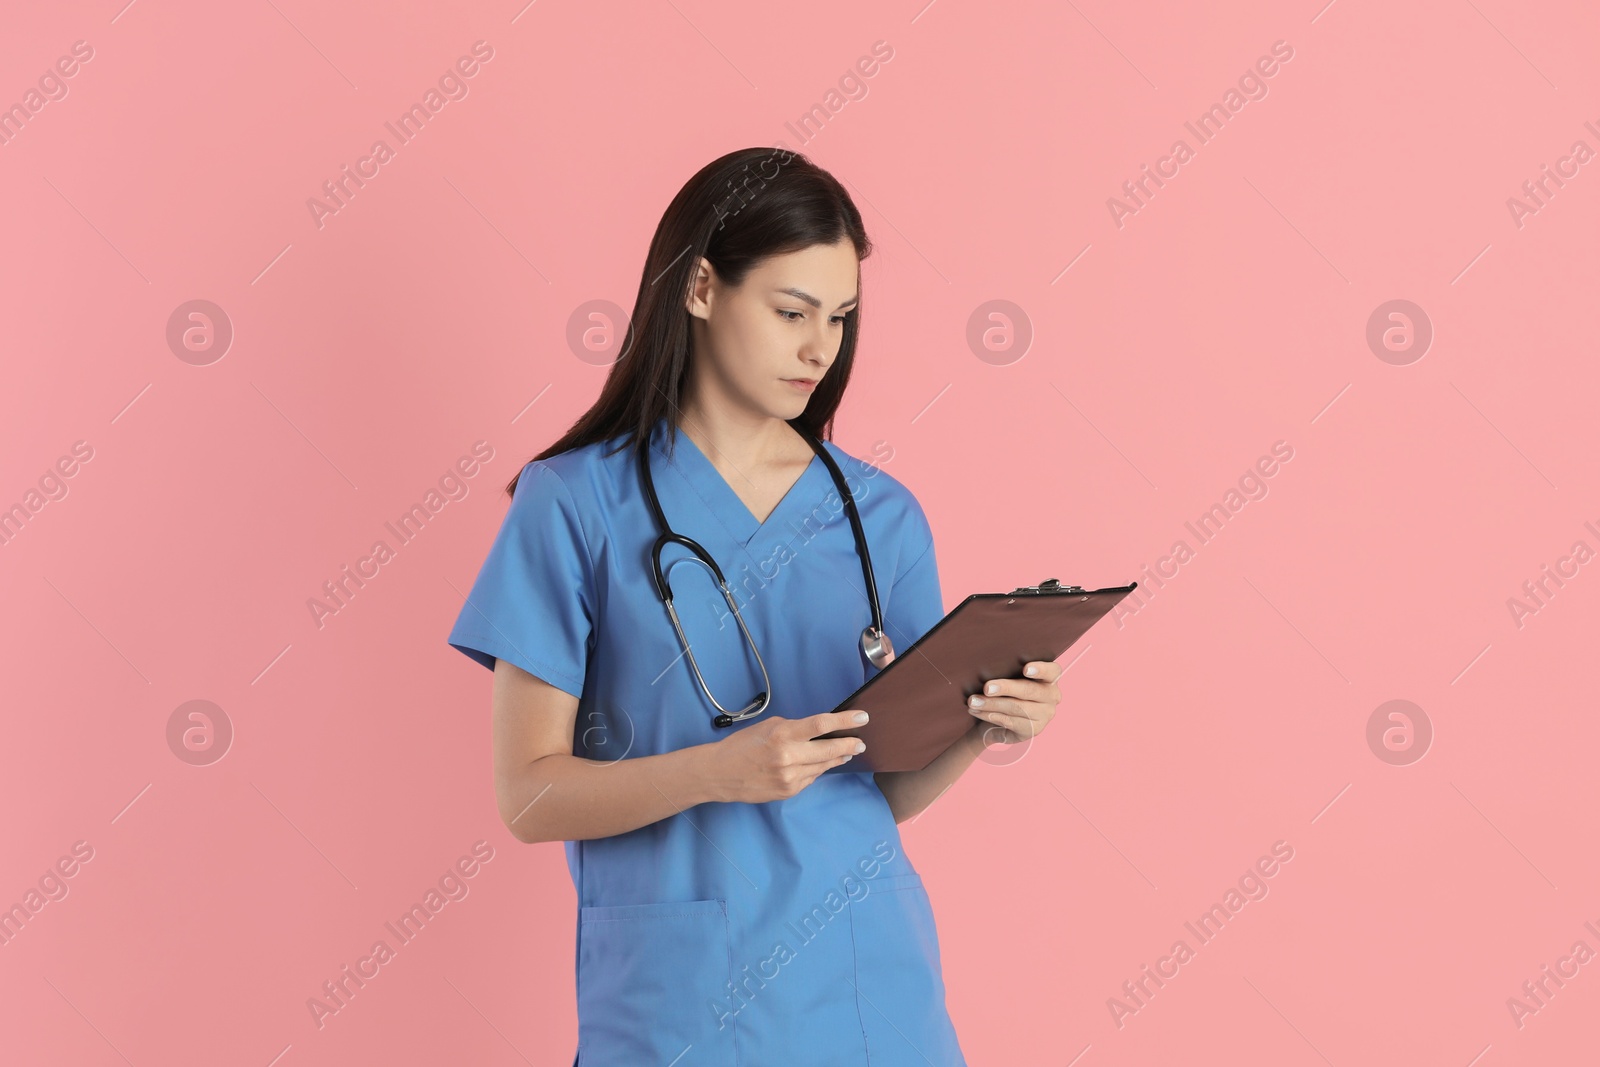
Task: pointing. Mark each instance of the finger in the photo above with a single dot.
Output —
(815, 770)
(1009, 705)
(828, 750)
(823, 752)
(1017, 709)
(829, 721)
(1025, 688)
(1042, 670)
(1020, 725)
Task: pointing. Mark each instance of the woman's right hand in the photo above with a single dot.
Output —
(776, 757)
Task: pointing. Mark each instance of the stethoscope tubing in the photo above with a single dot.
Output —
(875, 643)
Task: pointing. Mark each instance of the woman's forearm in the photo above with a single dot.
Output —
(909, 792)
(561, 797)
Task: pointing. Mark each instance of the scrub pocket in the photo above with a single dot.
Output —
(899, 984)
(648, 975)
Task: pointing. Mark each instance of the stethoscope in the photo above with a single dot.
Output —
(875, 644)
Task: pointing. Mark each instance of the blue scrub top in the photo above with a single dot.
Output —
(743, 933)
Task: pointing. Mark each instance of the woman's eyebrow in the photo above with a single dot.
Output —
(813, 301)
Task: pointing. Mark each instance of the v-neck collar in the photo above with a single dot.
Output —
(735, 516)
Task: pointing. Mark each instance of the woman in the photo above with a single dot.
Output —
(734, 898)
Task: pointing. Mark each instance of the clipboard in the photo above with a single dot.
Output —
(918, 703)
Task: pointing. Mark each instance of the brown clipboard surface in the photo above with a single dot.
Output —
(918, 703)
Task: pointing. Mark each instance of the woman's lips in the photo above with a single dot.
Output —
(806, 384)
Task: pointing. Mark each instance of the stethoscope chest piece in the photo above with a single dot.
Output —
(877, 647)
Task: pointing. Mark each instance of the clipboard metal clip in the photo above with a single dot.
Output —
(1048, 586)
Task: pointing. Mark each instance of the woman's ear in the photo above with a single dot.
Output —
(697, 301)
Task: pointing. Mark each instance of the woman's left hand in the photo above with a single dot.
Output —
(1019, 708)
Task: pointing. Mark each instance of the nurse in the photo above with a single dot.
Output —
(744, 897)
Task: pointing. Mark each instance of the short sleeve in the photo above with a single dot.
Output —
(533, 601)
(915, 602)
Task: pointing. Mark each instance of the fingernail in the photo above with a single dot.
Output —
(861, 746)
(977, 702)
(992, 688)
(1031, 671)
(850, 757)
(861, 716)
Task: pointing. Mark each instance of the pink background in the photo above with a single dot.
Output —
(1167, 355)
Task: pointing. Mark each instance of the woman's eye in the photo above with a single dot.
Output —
(837, 320)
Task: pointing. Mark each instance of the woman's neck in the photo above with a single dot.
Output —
(741, 441)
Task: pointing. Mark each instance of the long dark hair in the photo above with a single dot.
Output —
(736, 211)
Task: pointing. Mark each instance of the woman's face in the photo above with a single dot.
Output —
(785, 322)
